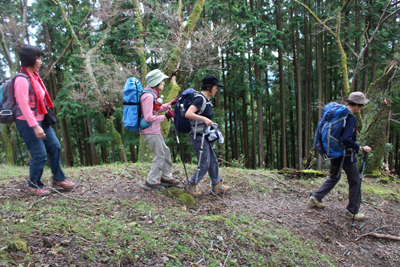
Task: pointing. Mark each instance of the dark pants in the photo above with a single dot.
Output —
(208, 161)
(353, 178)
(38, 148)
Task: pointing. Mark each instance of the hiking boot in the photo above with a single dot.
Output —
(359, 216)
(66, 184)
(173, 182)
(38, 191)
(192, 189)
(153, 186)
(220, 188)
(315, 203)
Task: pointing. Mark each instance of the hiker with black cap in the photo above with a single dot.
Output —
(160, 174)
(204, 151)
(355, 103)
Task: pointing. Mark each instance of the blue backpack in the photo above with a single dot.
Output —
(132, 116)
(183, 124)
(329, 132)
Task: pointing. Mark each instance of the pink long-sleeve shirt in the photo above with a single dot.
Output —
(151, 115)
(26, 102)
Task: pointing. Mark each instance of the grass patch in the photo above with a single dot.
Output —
(383, 191)
(123, 229)
(111, 232)
(9, 173)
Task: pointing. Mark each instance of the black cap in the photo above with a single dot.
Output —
(211, 79)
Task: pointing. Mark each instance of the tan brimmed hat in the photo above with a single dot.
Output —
(358, 98)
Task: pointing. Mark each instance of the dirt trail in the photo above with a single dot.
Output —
(282, 202)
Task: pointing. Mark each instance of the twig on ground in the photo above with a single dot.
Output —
(198, 209)
(282, 202)
(202, 251)
(83, 239)
(121, 173)
(171, 256)
(43, 198)
(227, 257)
(373, 233)
(3, 248)
(73, 189)
(278, 181)
(385, 236)
(199, 261)
(223, 201)
(52, 188)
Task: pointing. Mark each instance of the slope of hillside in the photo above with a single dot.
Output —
(109, 219)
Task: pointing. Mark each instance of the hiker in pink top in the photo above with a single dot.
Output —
(33, 99)
(160, 174)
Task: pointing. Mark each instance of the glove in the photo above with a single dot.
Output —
(170, 114)
(173, 102)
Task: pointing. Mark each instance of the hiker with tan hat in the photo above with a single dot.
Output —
(348, 162)
(160, 174)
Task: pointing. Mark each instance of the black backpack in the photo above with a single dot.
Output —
(9, 109)
(183, 124)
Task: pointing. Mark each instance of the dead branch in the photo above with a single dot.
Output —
(65, 49)
(374, 233)
(65, 195)
(369, 41)
(385, 236)
(43, 198)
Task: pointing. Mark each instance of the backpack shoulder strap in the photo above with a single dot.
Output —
(354, 116)
(20, 74)
(150, 92)
(203, 105)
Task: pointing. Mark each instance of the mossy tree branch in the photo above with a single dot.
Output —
(343, 56)
(369, 40)
(140, 50)
(87, 56)
(171, 68)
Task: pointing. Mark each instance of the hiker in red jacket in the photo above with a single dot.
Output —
(38, 136)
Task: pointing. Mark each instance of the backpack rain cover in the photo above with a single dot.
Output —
(132, 113)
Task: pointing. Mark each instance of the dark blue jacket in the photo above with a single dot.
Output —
(349, 138)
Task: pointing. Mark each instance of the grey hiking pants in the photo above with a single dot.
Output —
(162, 164)
(353, 178)
(208, 161)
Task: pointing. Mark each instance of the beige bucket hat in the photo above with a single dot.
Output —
(358, 98)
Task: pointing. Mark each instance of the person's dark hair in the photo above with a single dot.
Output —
(351, 103)
(28, 55)
(207, 87)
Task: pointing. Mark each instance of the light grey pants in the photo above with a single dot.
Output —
(162, 164)
(208, 162)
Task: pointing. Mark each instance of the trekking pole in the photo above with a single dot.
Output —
(201, 153)
(359, 188)
(180, 149)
